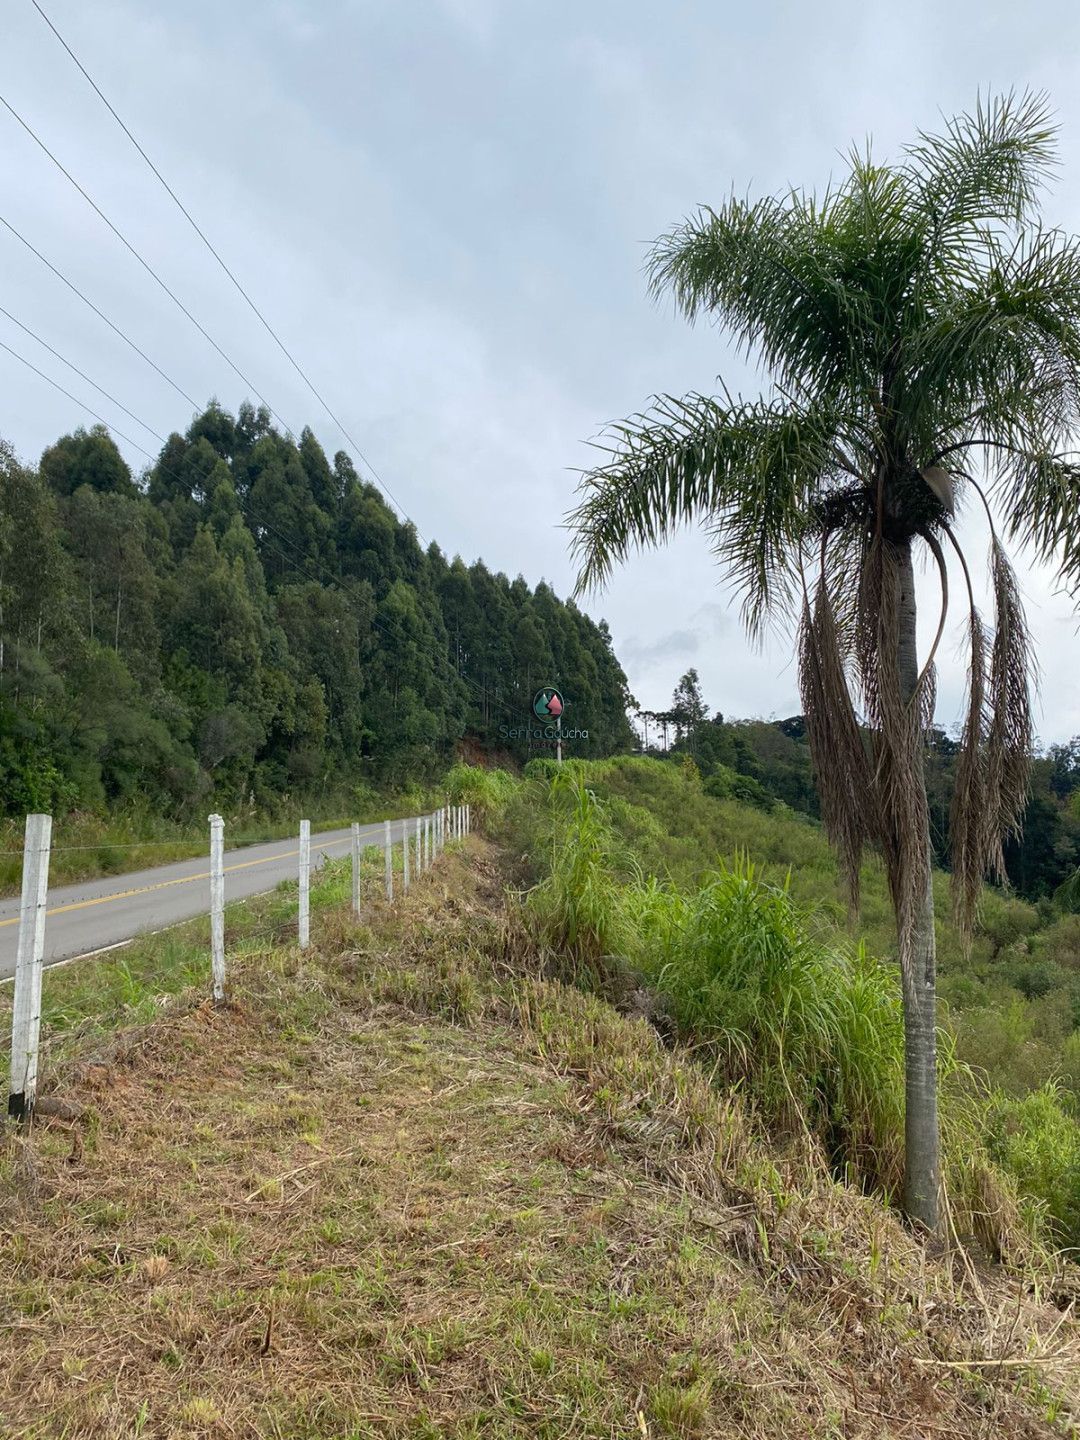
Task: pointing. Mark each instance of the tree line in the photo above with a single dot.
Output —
(248, 619)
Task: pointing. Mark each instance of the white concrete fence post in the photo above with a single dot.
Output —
(356, 868)
(30, 951)
(419, 849)
(405, 867)
(217, 906)
(304, 918)
(388, 859)
(427, 842)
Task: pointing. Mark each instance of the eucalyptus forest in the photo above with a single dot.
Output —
(249, 619)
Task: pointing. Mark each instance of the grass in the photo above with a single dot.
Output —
(88, 998)
(784, 1006)
(403, 1185)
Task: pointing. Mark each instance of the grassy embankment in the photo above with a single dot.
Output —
(409, 1184)
(756, 965)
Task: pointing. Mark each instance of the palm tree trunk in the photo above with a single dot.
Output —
(922, 1165)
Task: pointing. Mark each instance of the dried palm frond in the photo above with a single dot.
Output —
(990, 789)
(837, 750)
(967, 814)
(1008, 739)
(895, 696)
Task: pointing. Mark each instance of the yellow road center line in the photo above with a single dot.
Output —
(183, 880)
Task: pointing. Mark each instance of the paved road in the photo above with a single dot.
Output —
(98, 913)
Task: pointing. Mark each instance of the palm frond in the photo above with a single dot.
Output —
(771, 274)
(990, 789)
(996, 360)
(1009, 732)
(987, 167)
(837, 749)
(1040, 494)
(967, 814)
(748, 471)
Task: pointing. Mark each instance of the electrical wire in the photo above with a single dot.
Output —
(213, 251)
(144, 263)
(74, 398)
(99, 313)
(82, 376)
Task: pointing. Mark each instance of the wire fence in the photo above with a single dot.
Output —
(421, 839)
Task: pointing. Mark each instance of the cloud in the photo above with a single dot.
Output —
(642, 654)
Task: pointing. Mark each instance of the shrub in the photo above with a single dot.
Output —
(1035, 978)
(1059, 943)
(725, 784)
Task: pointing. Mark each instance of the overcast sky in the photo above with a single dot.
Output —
(443, 206)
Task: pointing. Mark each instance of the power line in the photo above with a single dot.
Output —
(205, 240)
(111, 398)
(262, 524)
(57, 386)
(144, 263)
(99, 313)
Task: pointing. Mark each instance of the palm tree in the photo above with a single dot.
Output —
(921, 332)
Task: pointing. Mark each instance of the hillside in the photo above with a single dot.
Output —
(249, 623)
(405, 1185)
(1014, 996)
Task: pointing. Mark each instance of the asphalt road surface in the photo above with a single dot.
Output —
(99, 913)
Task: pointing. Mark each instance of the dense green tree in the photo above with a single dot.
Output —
(689, 708)
(117, 558)
(88, 457)
(249, 620)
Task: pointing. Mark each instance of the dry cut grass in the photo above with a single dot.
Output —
(405, 1186)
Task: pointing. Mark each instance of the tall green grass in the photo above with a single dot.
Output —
(812, 1030)
(576, 907)
(486, 791)
(807, 1024)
